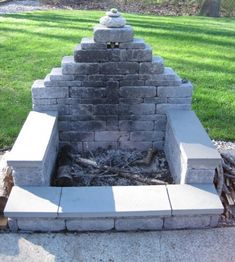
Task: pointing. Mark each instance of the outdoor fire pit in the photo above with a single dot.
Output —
(132, 154)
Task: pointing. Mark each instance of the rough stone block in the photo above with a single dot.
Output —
(131, 101)
(103, 55)
(77, 136)
(200, 176)
(137, 55)
(154, 67)
(103, 34)
(155, 100)
(137, 91)
(111, 136)
(69, 67)
(92, 146)
(127, 125)
(164, 108)
(119, 68)
(179, 100)
(182, 91)
(147, 223)
(147, 135)
(90, 44)
(41, 224)
(44, 101)
(105, 109)
(141, 146)
(90, 224)
(87, 92)
(140, 109)
(85, 110)
(56, 75)
(186, 222)
(137, 43)
(132, 82)
(88, 125)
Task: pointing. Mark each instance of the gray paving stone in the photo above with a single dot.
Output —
(33, 202)
(154, 67)
(164, 108)
(127, 224)
(103, 34)
(114, 136)
(114, 201)
(127, 125)
(146, 135)
(56, 75)
(112, 68)
(186, 222)
(200, 176)
(137, 55)
(41, 224)
(137, 43)
(90, 44)
(90, 224)
(141, 146)
(197, 199)
(184, 90)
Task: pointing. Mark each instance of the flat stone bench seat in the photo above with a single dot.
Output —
(33, 155)
(122, 208)
(190, 153)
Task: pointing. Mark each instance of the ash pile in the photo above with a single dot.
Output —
(111, 167)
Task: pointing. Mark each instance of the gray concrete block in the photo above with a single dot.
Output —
(131, 101)
(103, 34)
(88, 125)
(137, 55)
(155, 100)
(139, 109)
(200, 176)
(149, 117)
(92, 146)
(90, 224)
(90, 44)
(132, 82)
(137, 43)
(69, 67)
(77, 136)
(146, 135)
(99, 55)
(154, 67)
(146, 223)
(179, 100)
(159, 145)
(112, 68)
(138, 91)
(186, 222)
(41, 224)
(112, 125)
(128, 125)
(105, 109)
(184, 90)
(164, 108)
(85, 110)
(44, 101)
(141, 146)
(196, 199)
(214, 220)
(56, 75)
(114, 136)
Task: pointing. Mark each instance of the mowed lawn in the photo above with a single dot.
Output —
(199, 49)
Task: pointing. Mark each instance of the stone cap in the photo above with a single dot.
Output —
(113, 19)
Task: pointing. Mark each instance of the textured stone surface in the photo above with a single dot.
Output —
(200, 176)
(146, 223)
(103, 34)
(90, 224)
(41, 224)
(185, 222)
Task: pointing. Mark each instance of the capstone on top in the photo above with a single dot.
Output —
(113, 19)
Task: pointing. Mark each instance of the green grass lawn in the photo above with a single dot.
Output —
(199, 49)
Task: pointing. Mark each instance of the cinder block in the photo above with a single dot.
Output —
(41, 224)
(146, 223)
(138, 91)
(103, 34)
(186, 222)
(90, 224)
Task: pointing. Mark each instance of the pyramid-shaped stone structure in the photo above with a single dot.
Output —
(112, 91)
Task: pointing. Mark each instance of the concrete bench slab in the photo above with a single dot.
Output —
(33, 202)
(197, 199)
(114, 201)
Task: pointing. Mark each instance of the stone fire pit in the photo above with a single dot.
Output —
(113, 93)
